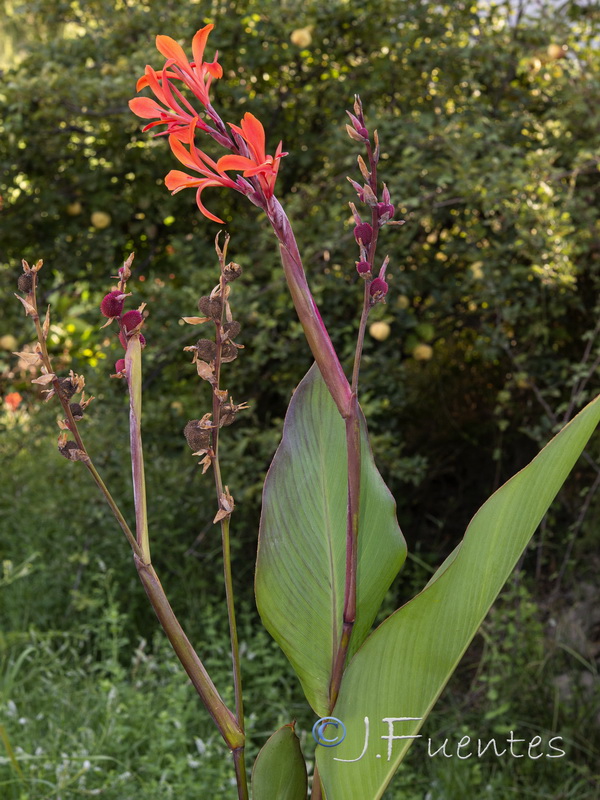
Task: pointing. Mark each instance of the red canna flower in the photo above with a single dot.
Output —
(13, 400)
(263, 166)
(197, 76)
(195, 159)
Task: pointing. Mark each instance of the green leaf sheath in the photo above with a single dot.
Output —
(403, 666)
(300, 573)
(279, 771)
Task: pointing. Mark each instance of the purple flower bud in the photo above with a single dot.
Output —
(111, 306)
(120, 365)
(364, 232)
(385, 212)
(378, 287)
(131, 320)
(363, 267)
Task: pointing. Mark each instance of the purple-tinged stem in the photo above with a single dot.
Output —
(314, 329)
(353, 510)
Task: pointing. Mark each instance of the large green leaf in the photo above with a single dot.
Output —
(279, 771)
(301, 561)
(403, 666)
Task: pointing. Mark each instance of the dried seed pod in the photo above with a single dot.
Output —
(26, 282)
(69, 450)
(67, 387)
(206, 349)
(232, 271)
(231, 329)
(77, 410)
(228, 414)
(197, 437)
(211, 307)
(229, 352)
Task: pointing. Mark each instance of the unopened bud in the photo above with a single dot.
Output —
(111, 306)
(363, 233)
(385, 212)
(378, 289)
(131, 320)
(363, 268)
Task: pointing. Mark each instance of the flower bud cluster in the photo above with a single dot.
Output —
(130, 322)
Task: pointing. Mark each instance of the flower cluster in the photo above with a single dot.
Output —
(113, 308)
(246, 142)
(382, 210)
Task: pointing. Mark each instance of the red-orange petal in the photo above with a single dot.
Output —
(199, 43)
(238, 163)
(254, 134)
(171, 50)
(176, 180)
(145, 107)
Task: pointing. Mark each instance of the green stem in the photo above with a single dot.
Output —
(133, 368)
(222, 716)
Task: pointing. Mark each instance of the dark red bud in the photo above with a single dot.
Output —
(385, 211)
(120, 365)
(131, 320)
(364, 232)
(379, 287)
(363, 267)
(111, 306)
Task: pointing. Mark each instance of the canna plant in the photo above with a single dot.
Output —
(329, 543)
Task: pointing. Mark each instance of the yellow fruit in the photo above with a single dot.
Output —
(301, 37)
(422, 352)
(8, 342)
(380, 331)
(73, 209)
(556, 51)
(100, 219)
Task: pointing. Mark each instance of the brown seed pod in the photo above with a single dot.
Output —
(77, 411)
(67, 387)
(211, 307)
(232, 271)
(231, 329)
(227, 414)
(229, 352)
(68, 450)
(26, 282)
(206, 349)
(197, 437)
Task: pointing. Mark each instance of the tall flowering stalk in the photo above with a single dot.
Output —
(256, 177)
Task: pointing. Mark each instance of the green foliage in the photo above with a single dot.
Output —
(490, 151)
(404, 665)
